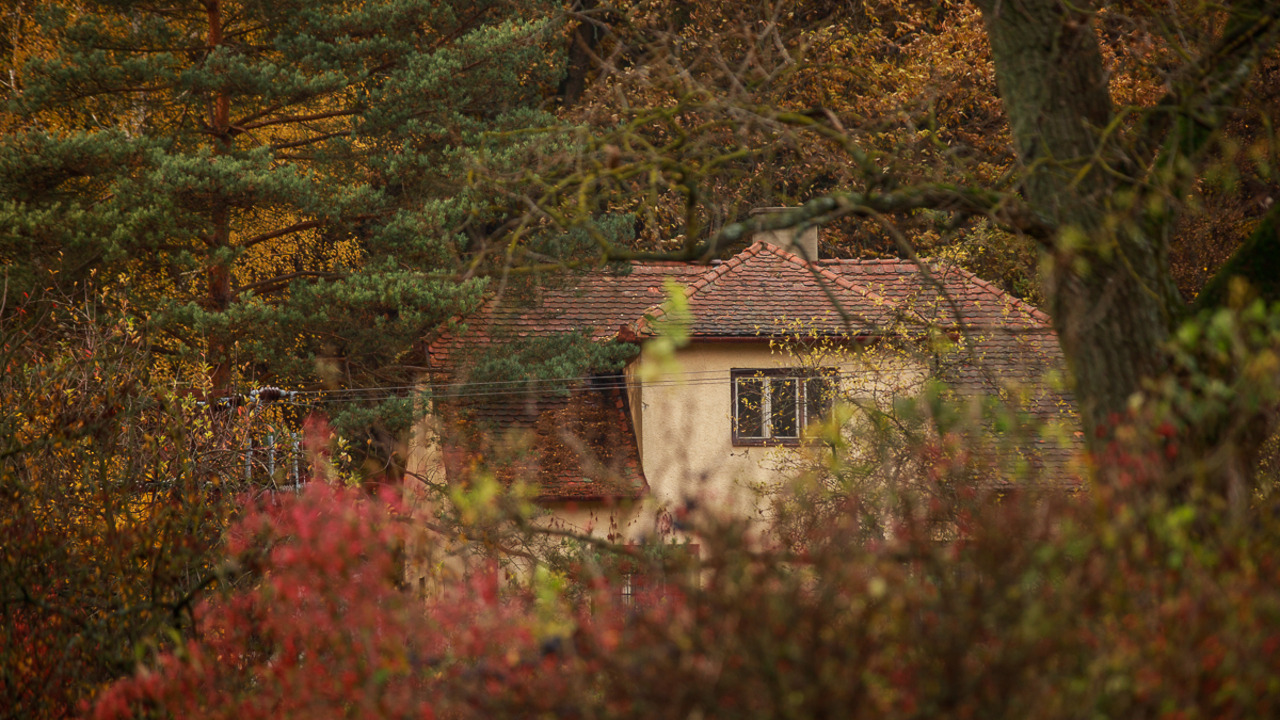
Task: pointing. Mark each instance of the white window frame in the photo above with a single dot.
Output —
(767, 377)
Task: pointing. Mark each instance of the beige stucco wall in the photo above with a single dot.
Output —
(687, 433)
(684, 424)
(682, 410)
(429, 556)
(689, 454)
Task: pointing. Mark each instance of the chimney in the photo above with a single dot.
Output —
(794, 240)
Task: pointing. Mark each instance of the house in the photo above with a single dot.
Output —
(771, 339)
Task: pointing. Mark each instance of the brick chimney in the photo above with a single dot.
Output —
(801, 242)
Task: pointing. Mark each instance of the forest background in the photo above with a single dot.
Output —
(205, 198)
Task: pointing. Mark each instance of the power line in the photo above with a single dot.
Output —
(590, 384)
(446, 390)
(491, 383)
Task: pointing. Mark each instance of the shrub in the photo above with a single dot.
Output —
(1041, 606)
(1147, 596)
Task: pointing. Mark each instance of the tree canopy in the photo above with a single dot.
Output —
(285, 188)
(201, 197)
(275, 186)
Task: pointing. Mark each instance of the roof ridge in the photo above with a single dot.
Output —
(755, 250)
(835, 278)
(716, 272)
(658, 310)
(861, 261)
(843, 282)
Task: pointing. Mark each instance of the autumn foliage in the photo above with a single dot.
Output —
(1031, 606)
(1137, 598)
(195, 198)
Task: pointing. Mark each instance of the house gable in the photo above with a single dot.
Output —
(768, 292)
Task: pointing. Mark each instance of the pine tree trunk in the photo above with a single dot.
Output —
(219, 300)
(219, 275)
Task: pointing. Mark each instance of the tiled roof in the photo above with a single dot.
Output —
(979, 303)
(1008, 338)
(765, 291)
(762, 291)
(1010, 345)
(599, 303)
(578, 444)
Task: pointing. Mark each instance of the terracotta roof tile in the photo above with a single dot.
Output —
(1012, 344)
(765, 291)
(575, 445)
(599, 303)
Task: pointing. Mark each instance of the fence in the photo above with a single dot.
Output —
(277, 461)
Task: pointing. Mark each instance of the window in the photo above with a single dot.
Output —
(772, 407)
(644, 580)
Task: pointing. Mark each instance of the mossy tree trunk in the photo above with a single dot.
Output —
(1106, 188)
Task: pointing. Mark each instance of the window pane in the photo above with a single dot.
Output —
(817, 399)
(749, 411)
(783, 403)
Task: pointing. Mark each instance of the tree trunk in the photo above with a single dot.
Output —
(218, 279)
(219, 275)
(1113, 298)
(582, 46)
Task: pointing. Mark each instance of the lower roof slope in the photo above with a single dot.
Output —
(574, 444)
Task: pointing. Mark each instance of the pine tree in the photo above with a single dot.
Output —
(280, 187)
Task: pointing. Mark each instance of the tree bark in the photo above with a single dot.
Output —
(582, 46)
(218, 275)
(1113, 300)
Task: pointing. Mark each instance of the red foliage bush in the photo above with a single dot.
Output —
(114, 494)
(1042, 607)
